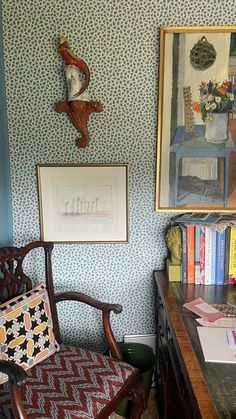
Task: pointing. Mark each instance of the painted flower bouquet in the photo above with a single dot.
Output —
(215, 97)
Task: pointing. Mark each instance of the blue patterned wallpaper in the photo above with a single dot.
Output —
(119, 39)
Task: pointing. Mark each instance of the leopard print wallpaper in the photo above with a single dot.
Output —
(119, 39)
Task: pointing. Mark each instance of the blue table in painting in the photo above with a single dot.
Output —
(195, 145)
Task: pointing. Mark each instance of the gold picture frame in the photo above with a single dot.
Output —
(84, 203)
(197, 86)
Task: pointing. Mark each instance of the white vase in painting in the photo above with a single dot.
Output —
(217, 128)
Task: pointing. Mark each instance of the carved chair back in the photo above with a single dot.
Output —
(14, 281)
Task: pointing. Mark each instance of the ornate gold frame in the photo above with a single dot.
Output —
(164, 200)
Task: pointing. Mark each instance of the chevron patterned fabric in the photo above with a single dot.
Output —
(72, 383)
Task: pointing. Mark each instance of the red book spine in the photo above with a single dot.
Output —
(202, 254)
(231, 280)
(190, 253)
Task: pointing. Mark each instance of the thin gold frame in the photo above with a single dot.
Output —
(163, 31)
(121, 189)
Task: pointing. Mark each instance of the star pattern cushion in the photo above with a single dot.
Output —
(26, 332)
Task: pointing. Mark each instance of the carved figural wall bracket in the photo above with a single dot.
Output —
(78, 107)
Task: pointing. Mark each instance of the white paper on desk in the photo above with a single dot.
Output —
(229, 322)
(215, 346)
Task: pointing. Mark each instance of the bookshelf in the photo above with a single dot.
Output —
(208, 244)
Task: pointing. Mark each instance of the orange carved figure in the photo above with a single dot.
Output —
(79, 111)
(78, 107)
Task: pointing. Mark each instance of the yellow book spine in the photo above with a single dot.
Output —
(232, 252)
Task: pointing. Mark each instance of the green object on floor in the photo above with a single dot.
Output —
(142, 357)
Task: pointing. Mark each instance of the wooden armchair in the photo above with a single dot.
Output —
(45, 378)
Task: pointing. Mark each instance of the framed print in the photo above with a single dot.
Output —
(84, 203)
(196, 151)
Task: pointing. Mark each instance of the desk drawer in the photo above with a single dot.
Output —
(161, 314)
(170, 376)
(183, 391)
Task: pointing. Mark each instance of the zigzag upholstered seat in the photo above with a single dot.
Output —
(41, 378)
(71, 383)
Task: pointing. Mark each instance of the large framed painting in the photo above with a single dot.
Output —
(83, 203)
(196, 151)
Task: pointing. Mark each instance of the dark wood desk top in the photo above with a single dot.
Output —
(210, 381)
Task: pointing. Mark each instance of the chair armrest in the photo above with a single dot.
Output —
(16, 374)
(83, 298)
(106, 309)
(16, 377)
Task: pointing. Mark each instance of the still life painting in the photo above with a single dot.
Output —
(196, 152)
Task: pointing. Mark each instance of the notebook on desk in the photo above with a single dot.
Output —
(215, 346)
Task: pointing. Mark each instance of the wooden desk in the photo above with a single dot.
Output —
(187, 386)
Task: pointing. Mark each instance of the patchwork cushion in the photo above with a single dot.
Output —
(26, 333)
(72, 383)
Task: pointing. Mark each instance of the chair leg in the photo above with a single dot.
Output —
(138, 396)
(17, 405)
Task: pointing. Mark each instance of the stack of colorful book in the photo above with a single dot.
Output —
(208, 249)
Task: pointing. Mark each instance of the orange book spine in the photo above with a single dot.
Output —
(190, 253)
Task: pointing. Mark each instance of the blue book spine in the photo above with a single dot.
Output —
(220, 258)
(213, 256)
(197, 243)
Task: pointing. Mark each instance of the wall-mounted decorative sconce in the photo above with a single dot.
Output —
(78, 107)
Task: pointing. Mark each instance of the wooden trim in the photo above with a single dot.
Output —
(6, 228)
